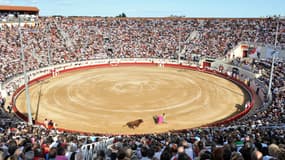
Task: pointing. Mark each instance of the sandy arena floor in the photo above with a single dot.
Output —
(102, 100)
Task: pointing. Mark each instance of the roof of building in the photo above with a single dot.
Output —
(19, 8)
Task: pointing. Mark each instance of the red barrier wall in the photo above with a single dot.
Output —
(213, 72)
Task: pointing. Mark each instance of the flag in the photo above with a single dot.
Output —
(254, 52)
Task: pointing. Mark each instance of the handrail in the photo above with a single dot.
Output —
(89, 149)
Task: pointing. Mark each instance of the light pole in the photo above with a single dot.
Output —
(179, 43)
(28, 102)
(269, 93)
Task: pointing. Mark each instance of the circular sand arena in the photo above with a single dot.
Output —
(103, 100)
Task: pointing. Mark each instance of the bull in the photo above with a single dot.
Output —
(134, 124)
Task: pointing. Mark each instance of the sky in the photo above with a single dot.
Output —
(156, 8)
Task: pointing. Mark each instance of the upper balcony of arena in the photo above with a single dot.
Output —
(11, 15)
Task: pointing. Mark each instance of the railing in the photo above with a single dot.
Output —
(90, 149)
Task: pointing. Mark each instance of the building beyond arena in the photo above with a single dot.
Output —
(250, 49)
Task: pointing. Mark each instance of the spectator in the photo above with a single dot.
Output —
(70, 39)
(60, 154)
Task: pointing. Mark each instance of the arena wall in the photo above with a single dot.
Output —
(45, 73)
(245, 76)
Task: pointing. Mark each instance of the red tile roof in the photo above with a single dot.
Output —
(19, 8)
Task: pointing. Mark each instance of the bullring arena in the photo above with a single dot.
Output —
(98, 86)
(103, 99)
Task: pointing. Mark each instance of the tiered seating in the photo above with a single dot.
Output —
(75, 39)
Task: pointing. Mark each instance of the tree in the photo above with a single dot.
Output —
(122, 15)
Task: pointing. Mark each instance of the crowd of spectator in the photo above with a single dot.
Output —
(11, 18)
(67, 39)
(19, 141)
(59, 40)
(274, 114)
